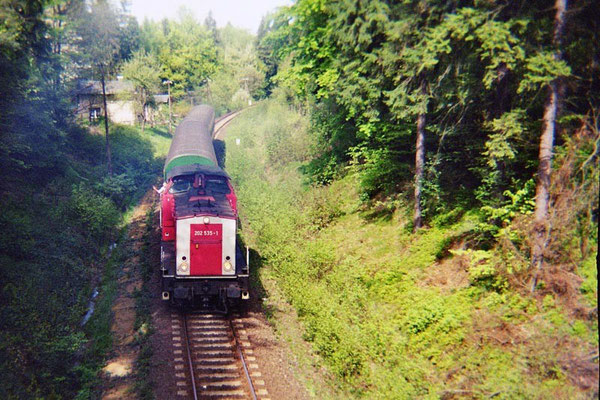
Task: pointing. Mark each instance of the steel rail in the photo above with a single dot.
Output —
(223, 122)
(243, 361)
(237, 354)
(189, 354)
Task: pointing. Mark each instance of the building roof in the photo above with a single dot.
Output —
(95, 87)
(161, 98)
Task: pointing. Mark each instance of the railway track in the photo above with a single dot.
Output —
(224, 120)
(214, 359)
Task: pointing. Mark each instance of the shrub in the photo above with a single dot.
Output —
(118, 188)
(96, 214)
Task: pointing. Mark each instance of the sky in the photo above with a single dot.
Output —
(241, 13)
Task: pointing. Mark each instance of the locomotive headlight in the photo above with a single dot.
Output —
(206, 220)
(227, 266)
(183, 269)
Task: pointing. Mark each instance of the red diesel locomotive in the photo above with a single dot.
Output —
(202, 264)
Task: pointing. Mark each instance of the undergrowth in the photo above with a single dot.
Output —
(143, 318)
(391, 313)
(98, 328)
(60, 223)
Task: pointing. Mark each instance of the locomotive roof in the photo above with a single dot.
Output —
(194, 169)
(193, 142)
(218, 206)
(204, 200)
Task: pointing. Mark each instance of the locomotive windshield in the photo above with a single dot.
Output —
(217, 185)
(182, 184)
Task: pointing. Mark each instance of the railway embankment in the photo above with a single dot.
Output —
(372, 310)
(60, 254)
(128, 332)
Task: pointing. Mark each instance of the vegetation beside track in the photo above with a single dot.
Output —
(148, 265)
(55, 266)
(394, 314)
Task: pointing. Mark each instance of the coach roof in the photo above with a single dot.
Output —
(192, 142)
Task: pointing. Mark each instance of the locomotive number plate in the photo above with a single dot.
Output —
(206, 233)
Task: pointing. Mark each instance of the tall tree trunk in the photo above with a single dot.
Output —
(108, 156)
(168, 82)
(144, 108)
(419, 163)
(542, 195)
(143, 118)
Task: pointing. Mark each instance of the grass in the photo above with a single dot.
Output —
(378, 303)
(143, 322)
(98, 329)
(160, 139)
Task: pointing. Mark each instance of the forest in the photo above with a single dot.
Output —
(453, 152)
(419, 181)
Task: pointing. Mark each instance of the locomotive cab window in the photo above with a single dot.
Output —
(216, 184)
(181, 184)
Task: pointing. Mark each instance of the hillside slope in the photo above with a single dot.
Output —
(393, 314)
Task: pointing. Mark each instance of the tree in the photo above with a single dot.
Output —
(129, 35)
(420, 159)
(144, 72)
(271, 41)
(239, 77)
(187, 54)
(542, 196)
(210, 24)
(100, 47)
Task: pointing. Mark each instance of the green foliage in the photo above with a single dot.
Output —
(589, 272)
(376, 171)
(333, 136)
(450, 218)
(143, 318)
(327, 292)
(506, 129)
(377, 303)
(60, 213)
(239, 79)
(118, 188)
(542, 68)
(98, 31)
(96, 214)
(50, 252)
(483, 270)
(475, 70)
(185, 50)
(522, 202)
(143, 71)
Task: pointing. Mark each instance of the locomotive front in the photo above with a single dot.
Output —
(202, 265)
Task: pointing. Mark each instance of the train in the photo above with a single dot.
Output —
(202, 264)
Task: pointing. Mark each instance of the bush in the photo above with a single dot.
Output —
(377, 171)
(118, 188)
(96, 214)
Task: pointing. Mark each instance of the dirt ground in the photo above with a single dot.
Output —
(118, 373)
